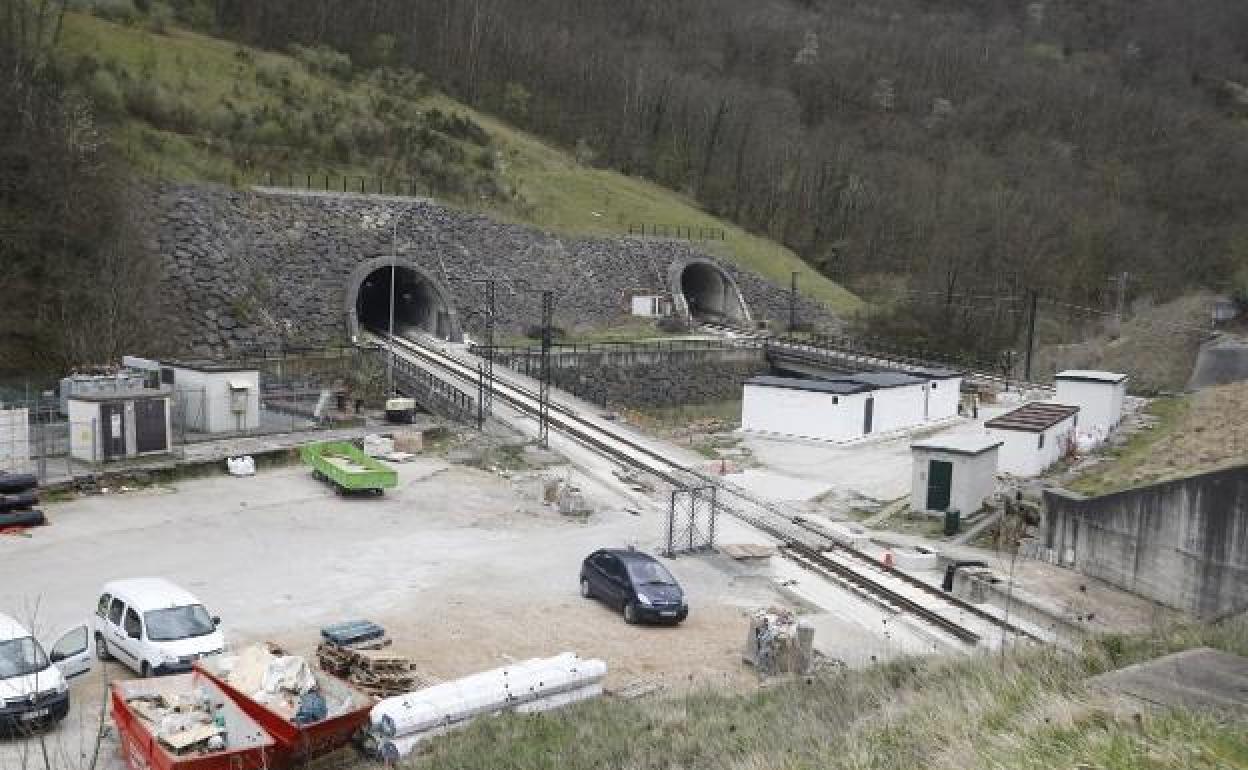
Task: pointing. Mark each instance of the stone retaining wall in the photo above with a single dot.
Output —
(272, 268)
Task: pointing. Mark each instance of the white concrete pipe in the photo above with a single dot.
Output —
(394, 749)
(489, 691)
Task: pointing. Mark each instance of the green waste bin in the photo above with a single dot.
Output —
(953, 523)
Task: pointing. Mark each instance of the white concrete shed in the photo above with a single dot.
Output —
(1034, 437)
(1099, 395)
(954, 473)
(845, 408)
(213, 396)
(114, 426)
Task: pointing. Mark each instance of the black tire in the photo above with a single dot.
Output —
(145, 670)
(630, 613)
(12, 483)
(101, 649)
(587, 591)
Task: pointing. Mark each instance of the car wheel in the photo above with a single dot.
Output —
(586, 591)
(145, 670)
(630, 613)
(101, 649)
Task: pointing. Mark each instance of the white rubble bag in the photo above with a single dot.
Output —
(241, 466)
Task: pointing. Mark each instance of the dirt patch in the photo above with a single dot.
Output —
(471, 633)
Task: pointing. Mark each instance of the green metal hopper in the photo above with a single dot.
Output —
(348, 468)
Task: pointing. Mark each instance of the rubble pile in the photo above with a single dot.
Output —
(779, 644)
(283, 683)
(185, 723)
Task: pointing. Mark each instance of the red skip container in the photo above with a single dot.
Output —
(249, 746)
(348, 712)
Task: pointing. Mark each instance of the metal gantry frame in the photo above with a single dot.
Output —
(485, 370)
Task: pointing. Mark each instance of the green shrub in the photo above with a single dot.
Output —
(116, 11)
(323, 60)
(106, 94)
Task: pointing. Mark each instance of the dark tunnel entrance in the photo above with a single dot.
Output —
(420, 306)
(711, 295)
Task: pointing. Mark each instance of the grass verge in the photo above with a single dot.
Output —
(1029, 711)
(193, 107)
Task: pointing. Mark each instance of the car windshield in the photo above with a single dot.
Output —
(649, 573)
(178, 623)
(20, 657)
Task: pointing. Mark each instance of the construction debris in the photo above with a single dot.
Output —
(186, 722)
(779, 644)
(284, 683)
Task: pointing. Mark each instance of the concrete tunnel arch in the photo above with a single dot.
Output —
(704, 291)
(422, 303)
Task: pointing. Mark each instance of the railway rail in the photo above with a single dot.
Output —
(799, 540)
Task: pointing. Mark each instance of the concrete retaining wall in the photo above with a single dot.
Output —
(1182, 543)
(267, 268)
(661, 378)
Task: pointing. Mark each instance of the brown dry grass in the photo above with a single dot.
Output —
(1194, 434)
(1157, 347)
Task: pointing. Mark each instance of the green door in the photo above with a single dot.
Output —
(939, 484)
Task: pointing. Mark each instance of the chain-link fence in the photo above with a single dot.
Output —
(300, 390)
(691, 515)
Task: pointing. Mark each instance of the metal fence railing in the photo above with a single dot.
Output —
(300, 390)
(684, 232)
(348, 183)
(436, 395)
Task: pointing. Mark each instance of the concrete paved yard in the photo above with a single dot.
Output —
(466, 568)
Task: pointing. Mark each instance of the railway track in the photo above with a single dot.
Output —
(800, 541)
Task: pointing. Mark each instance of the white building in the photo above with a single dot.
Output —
(1099, 395)
(114, 426)
(1033, 437)
(849, 407)
(214, 397)
(955, 473)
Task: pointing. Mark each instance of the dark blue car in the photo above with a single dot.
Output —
(635, 582)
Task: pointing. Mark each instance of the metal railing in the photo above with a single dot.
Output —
(434, 394)
(684, 232)
(877, 353)
(348, 183)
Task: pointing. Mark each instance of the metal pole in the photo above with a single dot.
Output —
(793, 302)
(543, 425)
(394, 258)
(488, 374)
(1031, 334)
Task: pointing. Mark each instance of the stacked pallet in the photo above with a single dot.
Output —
(384, 675)
(356, 651)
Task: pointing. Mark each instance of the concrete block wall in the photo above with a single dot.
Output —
(261, 268)
(1181, 543)
(15, 440)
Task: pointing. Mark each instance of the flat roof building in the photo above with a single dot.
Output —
(954, 473)
(1034, 437)
(847, 407)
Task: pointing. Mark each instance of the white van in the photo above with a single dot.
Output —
(34, 690)
(154, 627)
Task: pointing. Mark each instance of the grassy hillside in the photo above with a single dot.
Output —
(1032, 711)
(1192, 434)
(198, 108)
